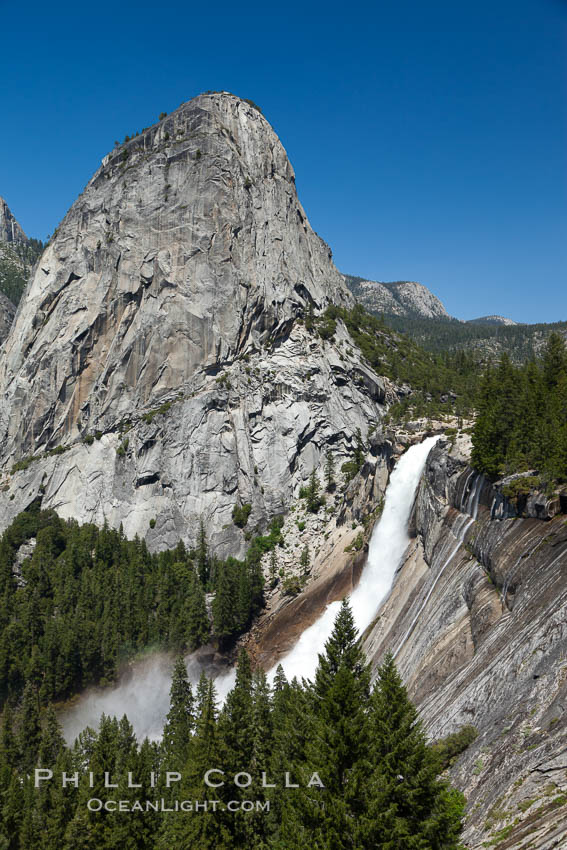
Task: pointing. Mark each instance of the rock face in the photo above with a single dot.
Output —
(12, 266)
(492, 320)
(401, 298)
(158, 368)
(10, 230)
(477, 623)
(7, 313)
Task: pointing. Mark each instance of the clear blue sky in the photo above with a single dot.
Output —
(429, 139)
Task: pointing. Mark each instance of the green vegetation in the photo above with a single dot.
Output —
(312, 493)
(26, 462)
(448, 749)
(366, 776)
(89, 599)
(522, 420)
(351, 467)
(356, 544)
(292, 586)
(329, 471)
(488, 341)
(157, 411)
(441, 383)
(239, 586)
(123, 447)
(240, 514)
(16, 263)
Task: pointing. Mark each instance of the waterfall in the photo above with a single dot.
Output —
(387, 547)
(144, 695)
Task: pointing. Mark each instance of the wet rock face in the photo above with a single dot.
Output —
(477, 621)
(158, 344)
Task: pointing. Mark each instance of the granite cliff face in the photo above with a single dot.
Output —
(158, 368)
(10, 230)
(11, 264)
(476, 619)
(400, 298)
(477, 623)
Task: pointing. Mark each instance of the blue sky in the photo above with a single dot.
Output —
(429, 139)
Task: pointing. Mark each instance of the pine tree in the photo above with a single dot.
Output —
(360, 450)
(305, 560)
(197, 627)
(312, 492)
(202, 555)
(52, 742)
(554, 361)
(180, 718)
(273, 572)
(236, 718)
(408, 806)
(30, 729)
(341, 649)
(329, 472)
(335, 748)
(223, 605)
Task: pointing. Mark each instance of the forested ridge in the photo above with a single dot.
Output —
(521, 421)
(366, 776)
(521, 342)
(86, 599)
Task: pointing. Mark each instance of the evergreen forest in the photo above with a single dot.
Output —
(363, 773)
(521, 421)
(79, 601)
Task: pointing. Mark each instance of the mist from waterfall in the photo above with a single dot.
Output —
(143, 694)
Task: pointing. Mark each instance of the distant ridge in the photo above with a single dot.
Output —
(492, 320)
(404, 298)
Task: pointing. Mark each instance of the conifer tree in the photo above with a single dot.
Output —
(223, 605)
(408, 806)
(30, 729)
(197, 626)
(313, 498)
(180, 718)
(329, 472)
(273, 572)
(305, 559)
(202, 555)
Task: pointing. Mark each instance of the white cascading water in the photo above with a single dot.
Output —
(388, 544)
(144, 697)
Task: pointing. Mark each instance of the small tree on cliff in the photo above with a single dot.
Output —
(314, 500)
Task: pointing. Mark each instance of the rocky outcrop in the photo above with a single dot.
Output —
(10, 230)
(477, 622)
(492, 320)
(400, 298)
(158, 369)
